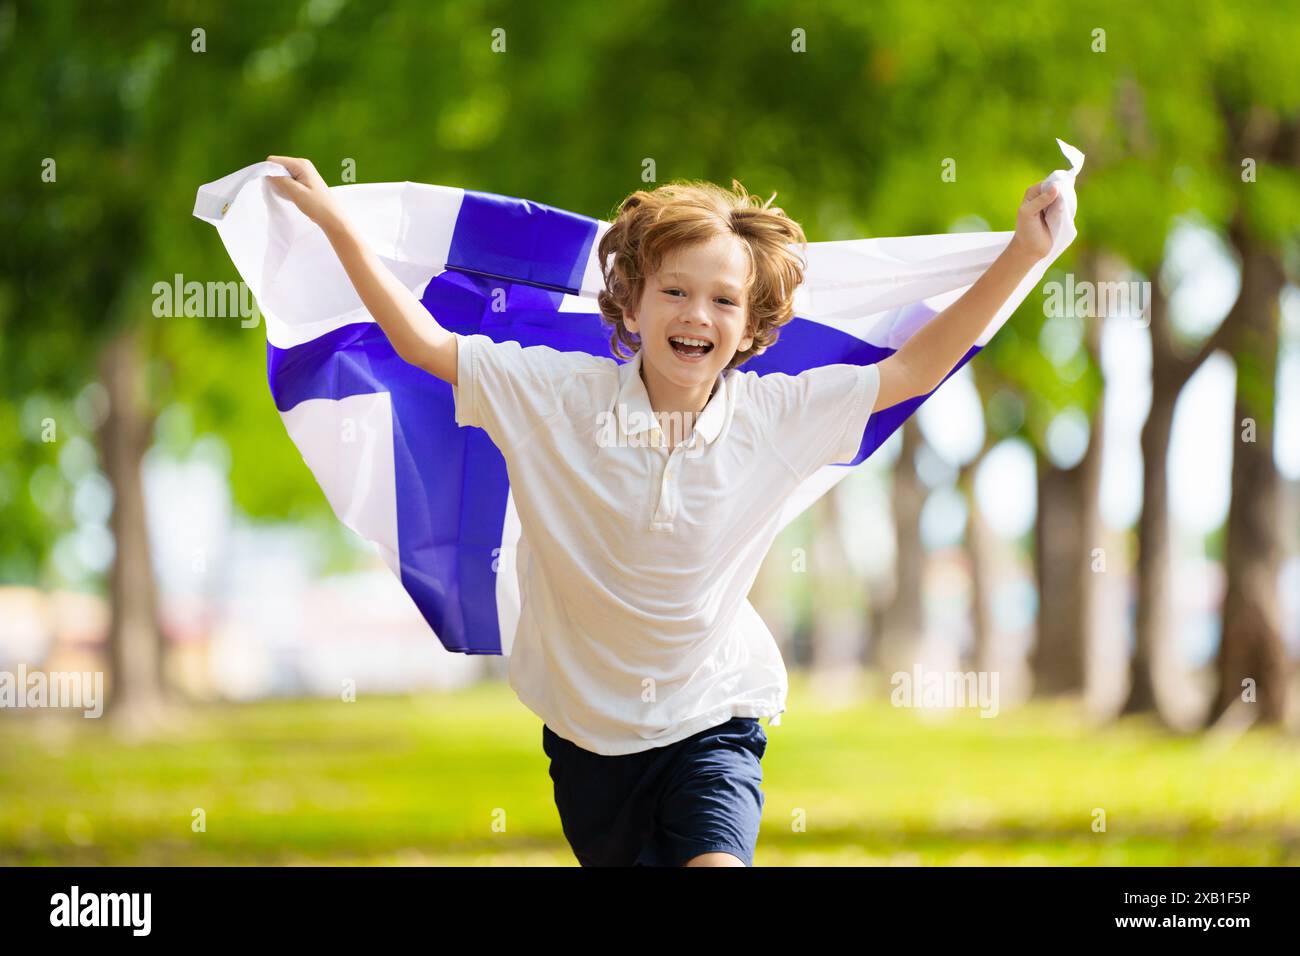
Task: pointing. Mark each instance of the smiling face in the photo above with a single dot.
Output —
(698, 293)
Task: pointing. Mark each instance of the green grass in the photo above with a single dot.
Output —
(433, 778)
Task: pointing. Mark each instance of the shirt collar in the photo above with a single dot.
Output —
(637, 415)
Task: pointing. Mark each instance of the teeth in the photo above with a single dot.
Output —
(687, 341)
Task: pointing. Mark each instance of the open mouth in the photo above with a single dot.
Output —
(690, 349)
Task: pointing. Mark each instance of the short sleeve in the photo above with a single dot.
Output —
(818, 417)
(505, 388)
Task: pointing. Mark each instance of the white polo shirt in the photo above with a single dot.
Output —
(635, 561)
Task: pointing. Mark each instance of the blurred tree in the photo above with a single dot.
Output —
(902, 625)
(108, 114)
(1236, 122)
(1252, 665)
(985, 653)
(1068, 529)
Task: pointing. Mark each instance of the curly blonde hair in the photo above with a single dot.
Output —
(649, 226)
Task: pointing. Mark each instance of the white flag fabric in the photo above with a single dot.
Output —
(380, 435)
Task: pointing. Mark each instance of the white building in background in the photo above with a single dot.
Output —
(283, 632)
(245, 610)
(305, 640)
(353, 628)
(253, 613)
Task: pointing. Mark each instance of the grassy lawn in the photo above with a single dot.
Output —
(460, 779)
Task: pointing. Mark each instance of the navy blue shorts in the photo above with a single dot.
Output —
(665, 805)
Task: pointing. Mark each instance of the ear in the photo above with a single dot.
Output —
(745, 344)
(630, 322)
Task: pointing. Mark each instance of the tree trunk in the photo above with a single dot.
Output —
(1251, 656)
(984, 651)
(903, 622)
(1070, 542)
(1062, 564)
(1152, 655)
(135, 647)
(1067, 535)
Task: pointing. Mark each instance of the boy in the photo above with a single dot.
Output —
(649, 491)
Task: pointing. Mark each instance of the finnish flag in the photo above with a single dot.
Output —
(380, 435)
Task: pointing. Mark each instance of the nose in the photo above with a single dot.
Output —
(698, 314)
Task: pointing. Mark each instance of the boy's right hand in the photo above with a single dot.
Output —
(306, 190)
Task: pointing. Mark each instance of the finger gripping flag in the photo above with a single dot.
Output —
(380, 436)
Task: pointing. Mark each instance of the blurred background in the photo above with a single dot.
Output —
(1103, 509)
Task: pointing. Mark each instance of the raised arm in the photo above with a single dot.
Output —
(414, 333)
(921, 363)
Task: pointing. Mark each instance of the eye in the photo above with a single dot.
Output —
(672, 289)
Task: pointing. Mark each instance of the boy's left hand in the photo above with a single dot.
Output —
(1032, 234)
